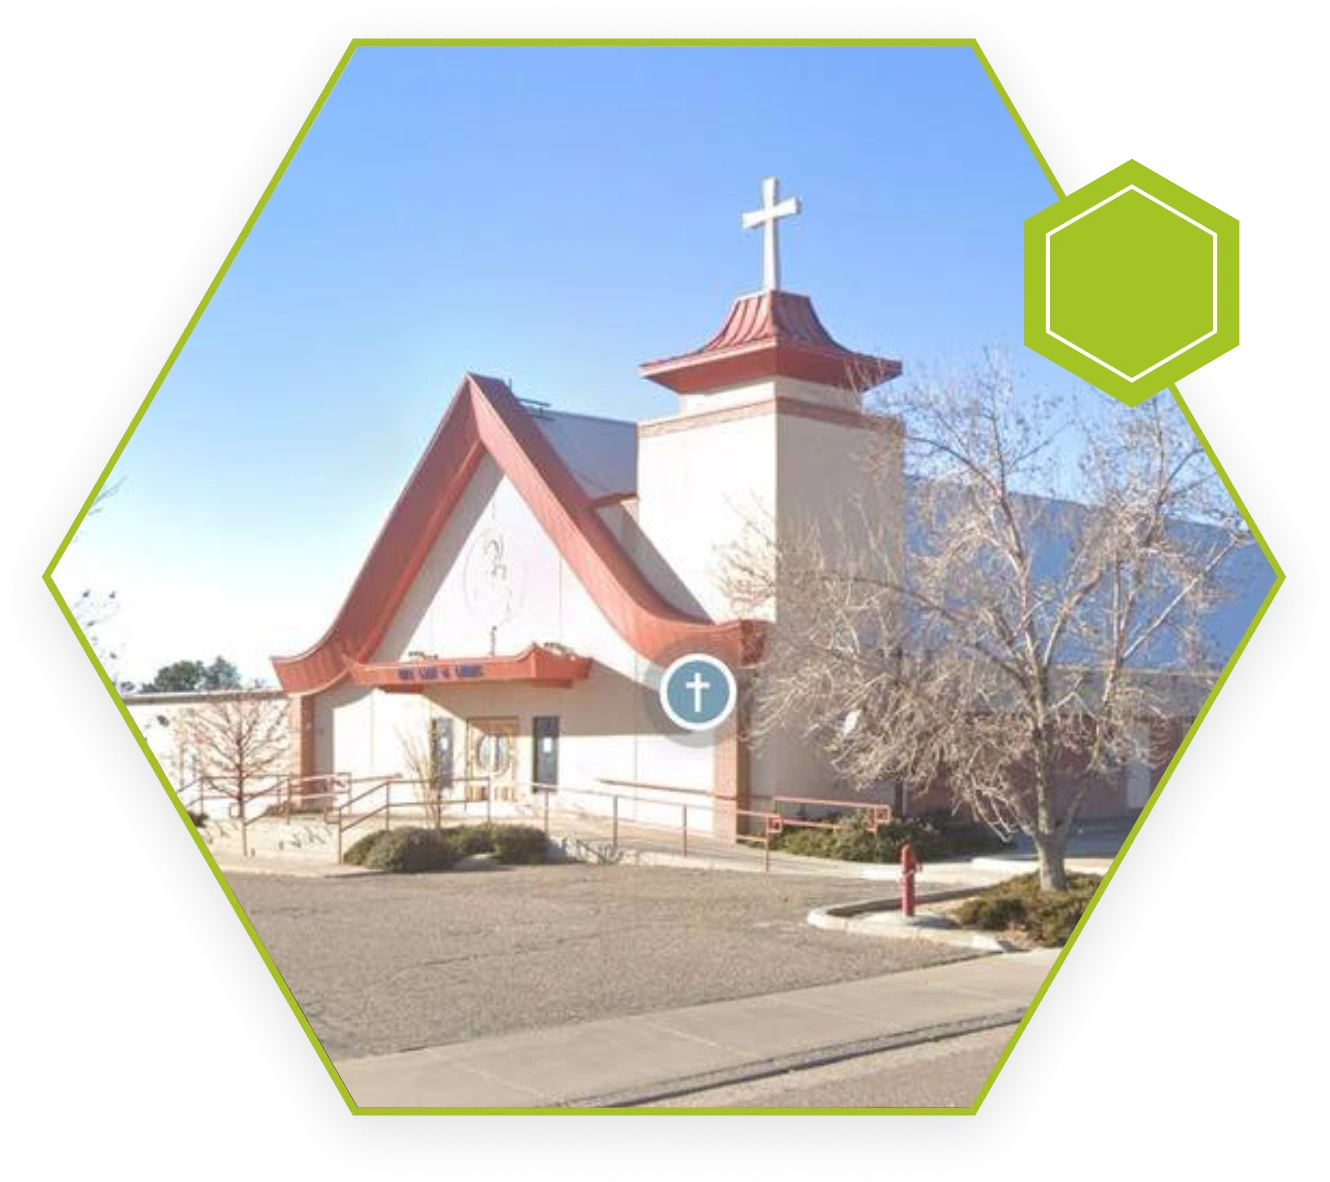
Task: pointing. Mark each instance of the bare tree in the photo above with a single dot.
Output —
(238, 741)
(428, 779)
(1015, 644)
(92, 609)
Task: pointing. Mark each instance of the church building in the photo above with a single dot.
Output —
(548, 607)
(541, 571)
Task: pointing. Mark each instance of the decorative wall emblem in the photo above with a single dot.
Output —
(494, 577)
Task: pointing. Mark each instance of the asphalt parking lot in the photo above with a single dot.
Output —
(393, 963)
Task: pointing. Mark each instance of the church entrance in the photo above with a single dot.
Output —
(491, 750)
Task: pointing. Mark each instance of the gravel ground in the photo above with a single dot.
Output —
(394, 963)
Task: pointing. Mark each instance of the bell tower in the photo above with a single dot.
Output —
(769, 433)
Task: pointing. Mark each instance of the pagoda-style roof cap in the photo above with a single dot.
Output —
(770, 334)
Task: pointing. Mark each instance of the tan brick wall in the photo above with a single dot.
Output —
(302, 736)
(732, 786)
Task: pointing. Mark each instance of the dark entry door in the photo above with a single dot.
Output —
(545, 757)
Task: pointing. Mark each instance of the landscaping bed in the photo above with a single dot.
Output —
(1019, 911)
(419, 850)
(934, 837)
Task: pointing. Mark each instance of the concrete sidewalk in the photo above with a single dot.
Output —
(633, 1061)
(933, 878)
(230, 864)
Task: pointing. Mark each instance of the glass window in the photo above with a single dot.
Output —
(493, 753)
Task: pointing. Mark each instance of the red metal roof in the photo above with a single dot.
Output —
(538, 665)
(766, 334)
(485, 418)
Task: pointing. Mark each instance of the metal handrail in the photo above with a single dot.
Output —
(876, 815)
(344, 797)
(770, 821)
(386, 785)
(771, 826)
(664, 788)
(383, 784)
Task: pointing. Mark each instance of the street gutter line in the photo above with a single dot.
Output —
(799, 1061)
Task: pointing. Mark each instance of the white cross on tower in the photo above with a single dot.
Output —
(773, 208)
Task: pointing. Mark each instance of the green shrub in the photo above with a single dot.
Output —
(519, 845)
(1047, 918)
(474, 839)
(935, 837)
(360, 851)
(992, 913)
(415, 851)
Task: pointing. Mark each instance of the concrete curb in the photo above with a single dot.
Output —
(1015, 867)
(803, 1061)
(880, 918)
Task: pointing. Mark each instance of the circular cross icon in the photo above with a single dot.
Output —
(698, 692)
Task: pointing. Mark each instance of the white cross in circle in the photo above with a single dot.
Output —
(699, 685)
(773, 209)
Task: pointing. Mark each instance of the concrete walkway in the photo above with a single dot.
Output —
(935, 878)
(634, 1061)
(307, 847)
(230, 863)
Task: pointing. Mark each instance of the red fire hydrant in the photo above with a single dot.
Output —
(909, 868)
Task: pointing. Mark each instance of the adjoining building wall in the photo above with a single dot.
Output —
(164, 721)
(1116, 791)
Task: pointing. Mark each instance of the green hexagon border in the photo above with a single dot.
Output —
(1166, 373)
(49, 580)
(573, 1112)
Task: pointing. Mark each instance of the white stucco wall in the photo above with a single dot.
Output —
(622, 519)
(832, 472)
(359, 731)
(608, 723)
(732, 396)
(703, 489)
(700, 491)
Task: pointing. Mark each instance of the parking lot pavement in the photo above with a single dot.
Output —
(394, 963)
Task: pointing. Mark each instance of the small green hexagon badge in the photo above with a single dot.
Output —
(1131, 283)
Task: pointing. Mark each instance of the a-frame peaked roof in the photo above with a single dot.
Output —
(486, 419)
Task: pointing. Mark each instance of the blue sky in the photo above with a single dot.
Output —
(552, 216)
